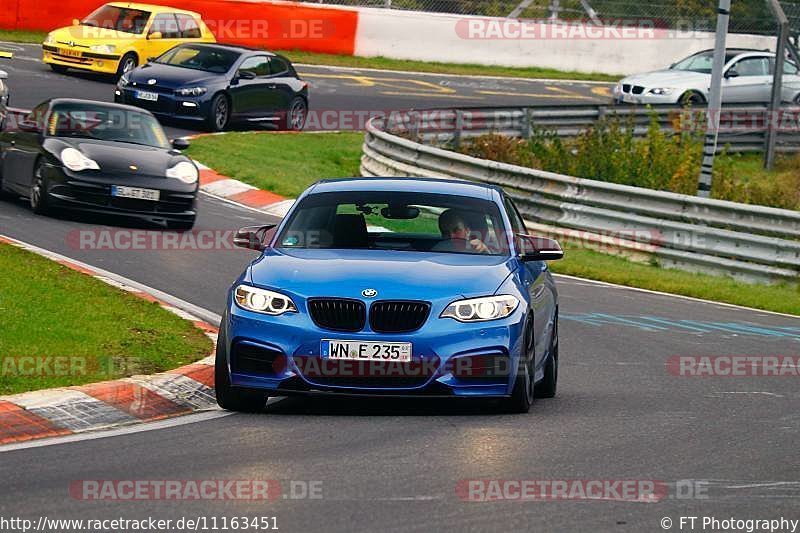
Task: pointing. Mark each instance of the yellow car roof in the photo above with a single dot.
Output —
(152, 8)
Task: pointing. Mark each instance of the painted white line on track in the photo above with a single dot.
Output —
(679, 296)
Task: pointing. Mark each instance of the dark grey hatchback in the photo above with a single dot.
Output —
(216, 85)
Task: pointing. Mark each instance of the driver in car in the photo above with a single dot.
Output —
(454, 225)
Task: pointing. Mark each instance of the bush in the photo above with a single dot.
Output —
(662, 160)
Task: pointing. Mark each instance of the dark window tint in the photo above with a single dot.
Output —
(258, 65)
(188, 27)
(278, 66)
(167, 25)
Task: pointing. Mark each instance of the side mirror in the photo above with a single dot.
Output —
(731, 73)
(532, 248)
(28, 126)
(151, 59)
(253, 237)
(245, 75)
(76, 22)
(180, 143)
(155, 35)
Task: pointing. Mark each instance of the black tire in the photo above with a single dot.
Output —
(523, 393)
(295, 117)
(219, 114)
(547, 387)
(128, 62)
(692, 98)
(233, 398)
(59, 69)
(38, 195)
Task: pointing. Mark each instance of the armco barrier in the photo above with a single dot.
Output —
(258, 23)
(753, 243)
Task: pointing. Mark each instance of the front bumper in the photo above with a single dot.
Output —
(168, 104)
(92, 193)
(644, 98)
(282, 356)
(90, 61)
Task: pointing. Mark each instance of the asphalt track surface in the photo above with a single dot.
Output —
(394, 465)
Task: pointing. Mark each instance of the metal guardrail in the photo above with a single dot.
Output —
(743, 128)
(749, 242)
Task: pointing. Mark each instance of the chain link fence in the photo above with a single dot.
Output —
(748, 16)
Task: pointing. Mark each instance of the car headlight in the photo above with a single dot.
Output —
(661, 90)
(103, 48)
(191, 91)
(184, 171)
(76, 161)
(263, 301)
(50, 39)
(481, 309)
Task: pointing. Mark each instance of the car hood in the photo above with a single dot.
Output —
(395, 275)
(118, 157)
(89, 35)
(669, 78)
(171, 76)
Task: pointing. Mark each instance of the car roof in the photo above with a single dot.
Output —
(422, 185)
(153, 8)
(112, 105)
(237, 47)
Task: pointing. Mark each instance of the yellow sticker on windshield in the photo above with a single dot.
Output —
(51, 127)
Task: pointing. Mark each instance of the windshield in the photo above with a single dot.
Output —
(118, 18)
(701, 62)
(106, 124)
(207, 58)
(400, 221)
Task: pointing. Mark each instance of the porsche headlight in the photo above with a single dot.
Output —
(184, 171)
(481, 309)
(263, 301)
(191, 91)
(103, 48)
(661, 91)
(76, 161)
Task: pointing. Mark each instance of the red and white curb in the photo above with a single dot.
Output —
(242, 193)
(71, 410)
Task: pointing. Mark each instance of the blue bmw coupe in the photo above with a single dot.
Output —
(394, 287)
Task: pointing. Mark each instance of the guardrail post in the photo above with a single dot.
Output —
(459, 128)
(527, 124)
(777, 86)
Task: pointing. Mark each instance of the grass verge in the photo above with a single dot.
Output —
(287, 163)
(62, 328)
(284, 163)
(312, 58)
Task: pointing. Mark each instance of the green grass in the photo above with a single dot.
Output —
(386, 63)
(52, 313)
(312, 58)
(20, 36)
(285, 163)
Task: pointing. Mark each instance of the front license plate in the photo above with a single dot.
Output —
(366, 351)
(70, 53)
(147, 95)
(630, 99)
(135, 192)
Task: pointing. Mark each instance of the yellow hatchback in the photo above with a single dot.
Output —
(119, 36)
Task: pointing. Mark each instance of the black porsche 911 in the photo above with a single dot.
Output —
(99, 158)
(216, 84)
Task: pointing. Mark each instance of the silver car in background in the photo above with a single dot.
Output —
(747, 78)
